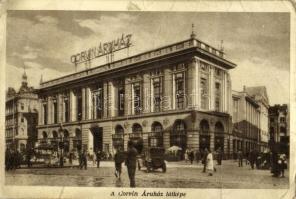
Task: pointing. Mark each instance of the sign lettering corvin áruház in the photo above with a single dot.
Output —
(102, 49)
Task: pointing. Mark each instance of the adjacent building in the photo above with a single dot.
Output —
(279, 126)
(176, 95)
(250, 119)
(21, 116)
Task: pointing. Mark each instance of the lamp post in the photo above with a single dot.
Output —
(61, 146)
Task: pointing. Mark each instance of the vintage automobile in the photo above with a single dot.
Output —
(152, 158)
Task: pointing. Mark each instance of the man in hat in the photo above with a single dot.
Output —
(131, 162)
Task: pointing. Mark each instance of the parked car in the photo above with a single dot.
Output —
(152, 159)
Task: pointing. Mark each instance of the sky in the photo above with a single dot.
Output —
(42, 42)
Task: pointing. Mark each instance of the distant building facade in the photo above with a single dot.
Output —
(21, 116)
(249, 119)
(279, 126)
(177, 95)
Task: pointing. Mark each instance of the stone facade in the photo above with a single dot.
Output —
(175, 95)
(279, 126)
(21, 117)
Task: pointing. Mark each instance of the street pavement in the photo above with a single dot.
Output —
(178, 175)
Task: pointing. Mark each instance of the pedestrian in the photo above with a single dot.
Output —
(61, 159)
(98, 158)
(197, 156)
(282, 165)
(252, 158)
(186, 155)
(71, 155)
(219, 156)
(191, 156)
(80, 159)
(28, 157)
(118, 160)
(210, 163)
(204, 159)
(240, 158)
(131, 162)
(275, 167)
(84, 159)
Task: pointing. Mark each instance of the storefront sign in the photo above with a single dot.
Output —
(102, 49)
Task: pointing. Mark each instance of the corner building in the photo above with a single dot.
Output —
(21, 116)
(176, 95)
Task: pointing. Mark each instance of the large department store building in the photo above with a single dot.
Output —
(176, 95)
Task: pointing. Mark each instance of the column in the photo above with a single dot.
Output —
(72, 106)
(88, 101)
(211, 89)
(168, 89)
(115, 98)
(60, 107)
(49, 110)
(41, 112)
(192, 79)
(127, 98)
(146, 93)
(105, 95)
(229, 95)
(111, 99)
(83, 95)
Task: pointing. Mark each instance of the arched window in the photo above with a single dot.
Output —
(137, 128)
(119, 129)
(44, 135)
(155, 138)
(136, 137)
(204, 126)
(77, 141)
(66, 141)
(117, 138)
(55, 134)
(219, 136)
(178, 135)
(204, 135)
(66, 134)
(78, 134)
(54, 141)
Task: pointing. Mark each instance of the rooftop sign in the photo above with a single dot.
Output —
(102, 49)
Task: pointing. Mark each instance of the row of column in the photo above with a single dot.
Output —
(110, 93)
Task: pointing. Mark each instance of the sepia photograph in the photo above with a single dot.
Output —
(162, 99)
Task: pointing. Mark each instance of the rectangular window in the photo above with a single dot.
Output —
(282, 120)
(22, 119)
(204, 93)
(217, 96)
(180, 90)
(137, 99)
(22, 106)
(44, 113)
(79, 105)
(121, 93)
(157, 94)
(67, 110)
(55, 112)
(98, 102)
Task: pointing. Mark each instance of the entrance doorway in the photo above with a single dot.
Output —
(97, 133)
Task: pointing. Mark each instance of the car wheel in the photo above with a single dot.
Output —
(164, 168)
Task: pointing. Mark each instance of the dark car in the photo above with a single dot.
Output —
(152, 159)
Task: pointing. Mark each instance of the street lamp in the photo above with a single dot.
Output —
(61, 145)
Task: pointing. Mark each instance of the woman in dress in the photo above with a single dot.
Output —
(210, 163)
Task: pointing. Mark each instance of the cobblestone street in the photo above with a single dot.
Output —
(179, 174)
